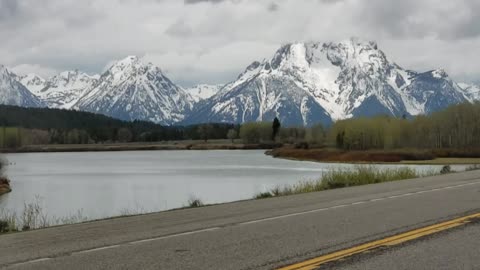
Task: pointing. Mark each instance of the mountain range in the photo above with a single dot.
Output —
(302, 84)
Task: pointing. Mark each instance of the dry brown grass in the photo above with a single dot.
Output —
(4, 186)
(334, 155)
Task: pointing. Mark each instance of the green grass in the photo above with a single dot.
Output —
(340, 178)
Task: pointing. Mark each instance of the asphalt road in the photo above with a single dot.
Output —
(262, 234)
(454, 249)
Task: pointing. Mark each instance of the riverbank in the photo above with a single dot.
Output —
(4, 186)
(407, 156)
(334, 179)
(173, 145)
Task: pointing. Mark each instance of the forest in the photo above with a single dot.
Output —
(32, 126)
(457, 127)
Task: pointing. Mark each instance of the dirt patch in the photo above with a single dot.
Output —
(4, 186)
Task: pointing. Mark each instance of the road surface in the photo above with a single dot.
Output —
(270, 233)
(455, 249)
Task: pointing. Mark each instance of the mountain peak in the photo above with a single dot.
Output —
(12, 92)
(4, 70)
(132, 65)
(439, 74)
(131, 59)
(131, 89)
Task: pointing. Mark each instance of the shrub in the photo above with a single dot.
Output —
(446, 169)
(473, 167)
(195, 202)
(263, 195)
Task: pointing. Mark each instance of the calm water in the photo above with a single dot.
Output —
(105, 184)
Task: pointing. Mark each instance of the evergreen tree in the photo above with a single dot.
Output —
(275, 128)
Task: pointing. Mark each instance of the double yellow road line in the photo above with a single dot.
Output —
(386, 242)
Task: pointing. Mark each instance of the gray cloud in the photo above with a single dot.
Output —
(203, 41)
(8, 9)
(273, 6)
(179, 29)
(200, 1)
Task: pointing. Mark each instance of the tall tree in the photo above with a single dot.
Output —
(232, 134)
(275, 128)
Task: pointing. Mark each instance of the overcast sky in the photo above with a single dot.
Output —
(211, 41)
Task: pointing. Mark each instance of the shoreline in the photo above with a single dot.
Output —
(139, 147)
(353, 157)
(189, 208)
(4, 186)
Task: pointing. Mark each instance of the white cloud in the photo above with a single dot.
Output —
(213, 41)
(41, 71)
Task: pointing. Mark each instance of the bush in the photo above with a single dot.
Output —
(263, 195)
(195, 202)
(4, 226)
(256, 132)
(473, 167)
(446, 169)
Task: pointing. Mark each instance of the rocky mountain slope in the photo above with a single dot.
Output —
(203, 91)
(306, 83)
(12, 92)
(62, 90)
(472, 91)
(131, 89)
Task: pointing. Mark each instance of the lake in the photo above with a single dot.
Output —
(105, 184)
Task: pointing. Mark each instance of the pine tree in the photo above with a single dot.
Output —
(275, 127)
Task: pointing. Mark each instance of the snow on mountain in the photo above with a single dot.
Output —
(131, 89)
(33, 82)
(306, 83)
(433, 91)
(62, 90)
(12, 92)
(203, 91)
(472, 91)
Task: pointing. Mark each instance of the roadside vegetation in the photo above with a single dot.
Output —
(341, 178)
(33, 217)
(194, 202)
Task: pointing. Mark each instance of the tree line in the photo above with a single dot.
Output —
(24, 126)
(456, 127)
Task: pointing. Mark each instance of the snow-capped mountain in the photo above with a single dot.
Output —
(307, 83)
(471, 90)
(302, 84)
(62, 90)
(12, 92)
(203, 91)
(131, 89)
(33, 82)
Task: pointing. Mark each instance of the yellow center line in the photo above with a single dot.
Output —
(389, 241)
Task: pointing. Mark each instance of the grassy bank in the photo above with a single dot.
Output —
(413, 156)
(340, 178)
(33, 216)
